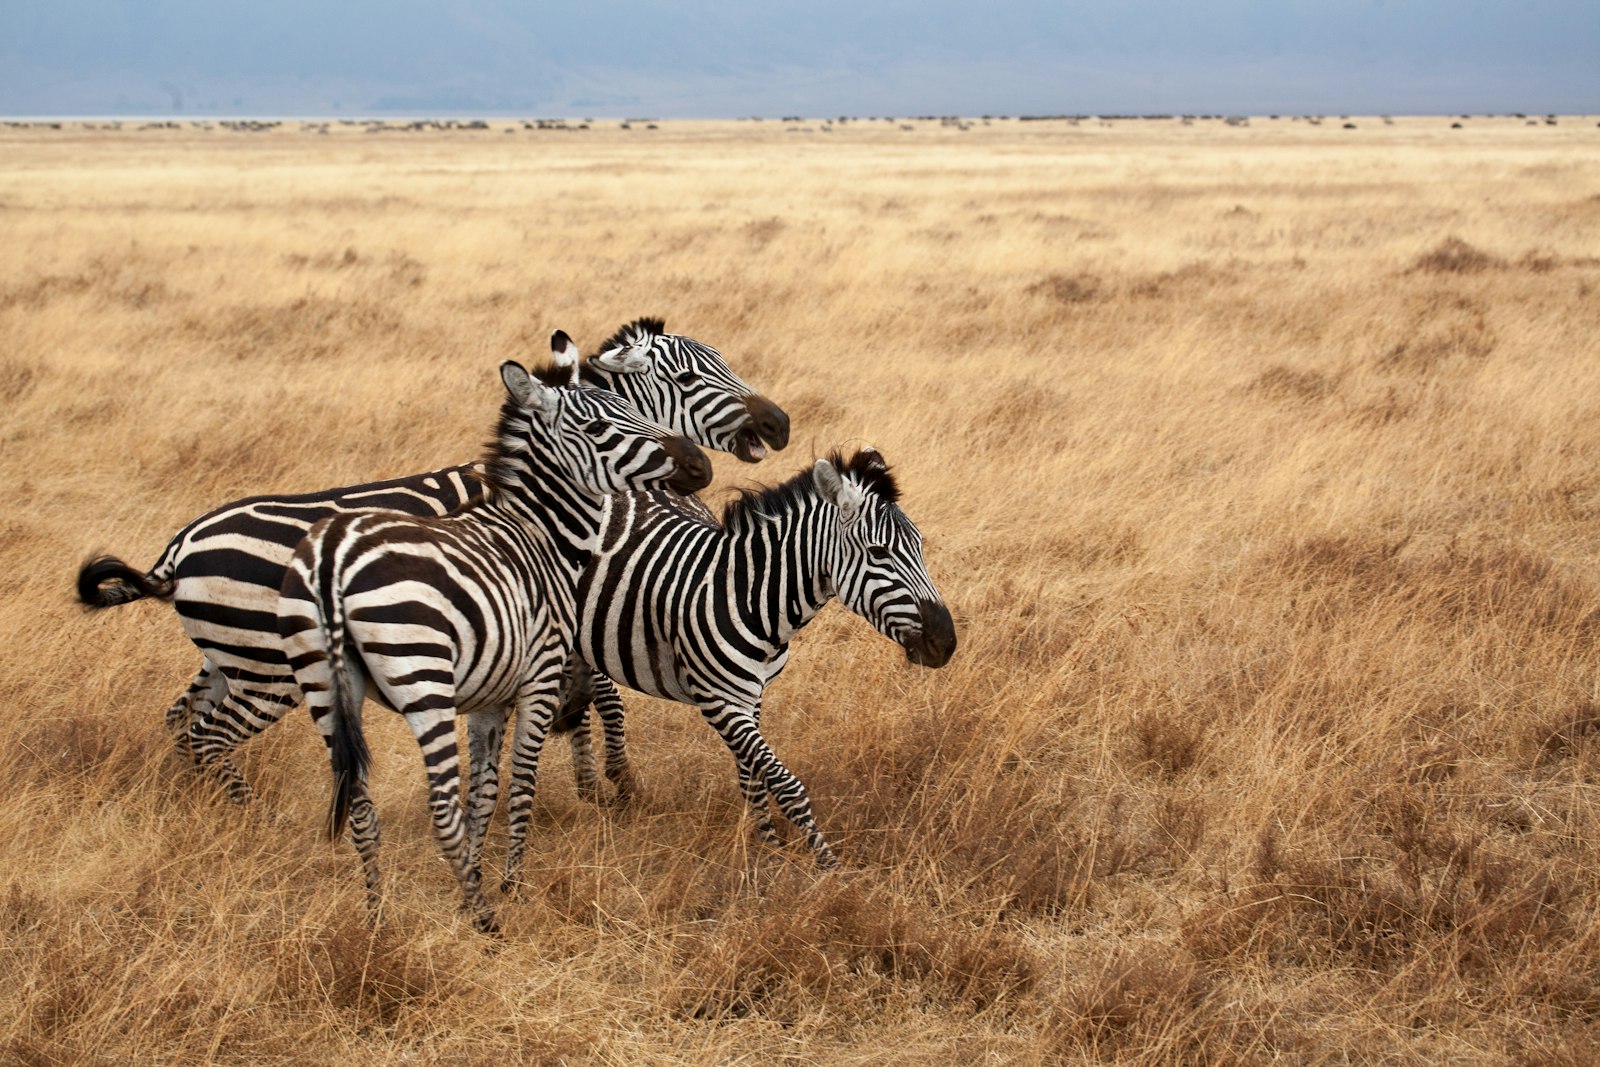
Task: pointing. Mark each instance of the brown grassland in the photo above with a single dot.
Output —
(1260, 467)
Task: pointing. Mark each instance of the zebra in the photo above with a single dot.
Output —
(473, 611)
(685, 608)
(222, 572)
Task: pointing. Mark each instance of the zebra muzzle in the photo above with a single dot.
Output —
(935, 642)
(692, 470)
(766, 422)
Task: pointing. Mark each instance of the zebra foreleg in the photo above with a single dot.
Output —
(761, 773)
(753, 788)
(792, 800)
(608, 702)
(572, 719)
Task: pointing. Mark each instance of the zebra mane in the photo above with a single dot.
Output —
(762, 503)
(503, 453)
(633, 332)
(871, 471)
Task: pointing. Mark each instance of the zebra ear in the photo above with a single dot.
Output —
(565, 353)
(836, 491)
(526, 390)
(629, 359)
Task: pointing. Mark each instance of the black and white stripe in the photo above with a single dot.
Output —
(700, 612)
(223, 571)
(691, 389)
(470, 612)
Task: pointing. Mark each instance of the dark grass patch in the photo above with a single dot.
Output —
(1185, 281)
(1455, 256)
(355, 967)
(1437, 897)
(100, 278)
(1488, 581)
(306, 329)
(938, 796)
(18, 379)
(802, 935)
(1468, 338)
(85, 754)
(1286, 383)
(1167, 744)
(1568, 732)
(762, 232)
(1067, 288)
(1140, 998)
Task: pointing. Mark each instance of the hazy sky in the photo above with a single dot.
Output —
(729, 58)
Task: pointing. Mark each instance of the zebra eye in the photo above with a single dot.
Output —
(597, 427)
(686, 377)
(877, 553)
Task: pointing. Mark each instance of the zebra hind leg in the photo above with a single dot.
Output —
(435, 731)
(223, 727)
(485, 731)
(364, 836)
(208, 687)
(536, 706)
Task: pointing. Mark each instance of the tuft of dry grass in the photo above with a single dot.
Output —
(1257, 468)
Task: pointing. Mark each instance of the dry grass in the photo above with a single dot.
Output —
(1257, 464)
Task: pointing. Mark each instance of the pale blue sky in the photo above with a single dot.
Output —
(727, 58)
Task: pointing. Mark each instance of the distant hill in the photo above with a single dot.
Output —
(832, 57)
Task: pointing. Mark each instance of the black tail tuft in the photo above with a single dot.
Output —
(351, 758)
(106, 581)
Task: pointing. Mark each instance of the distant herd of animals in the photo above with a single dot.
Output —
(574, 556)
(792, 123)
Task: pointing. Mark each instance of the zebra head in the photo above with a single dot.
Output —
(879, 572)
(595, 438)
(685, 385)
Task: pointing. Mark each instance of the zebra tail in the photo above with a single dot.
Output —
(577, 693)
(351, 758)
(106, 581)
(348, 750)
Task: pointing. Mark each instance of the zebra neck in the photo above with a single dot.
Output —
(540, 497)
(781, 568)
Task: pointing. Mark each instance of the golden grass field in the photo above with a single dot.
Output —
(1260, 467)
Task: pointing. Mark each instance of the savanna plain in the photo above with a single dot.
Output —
(1260, 467)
